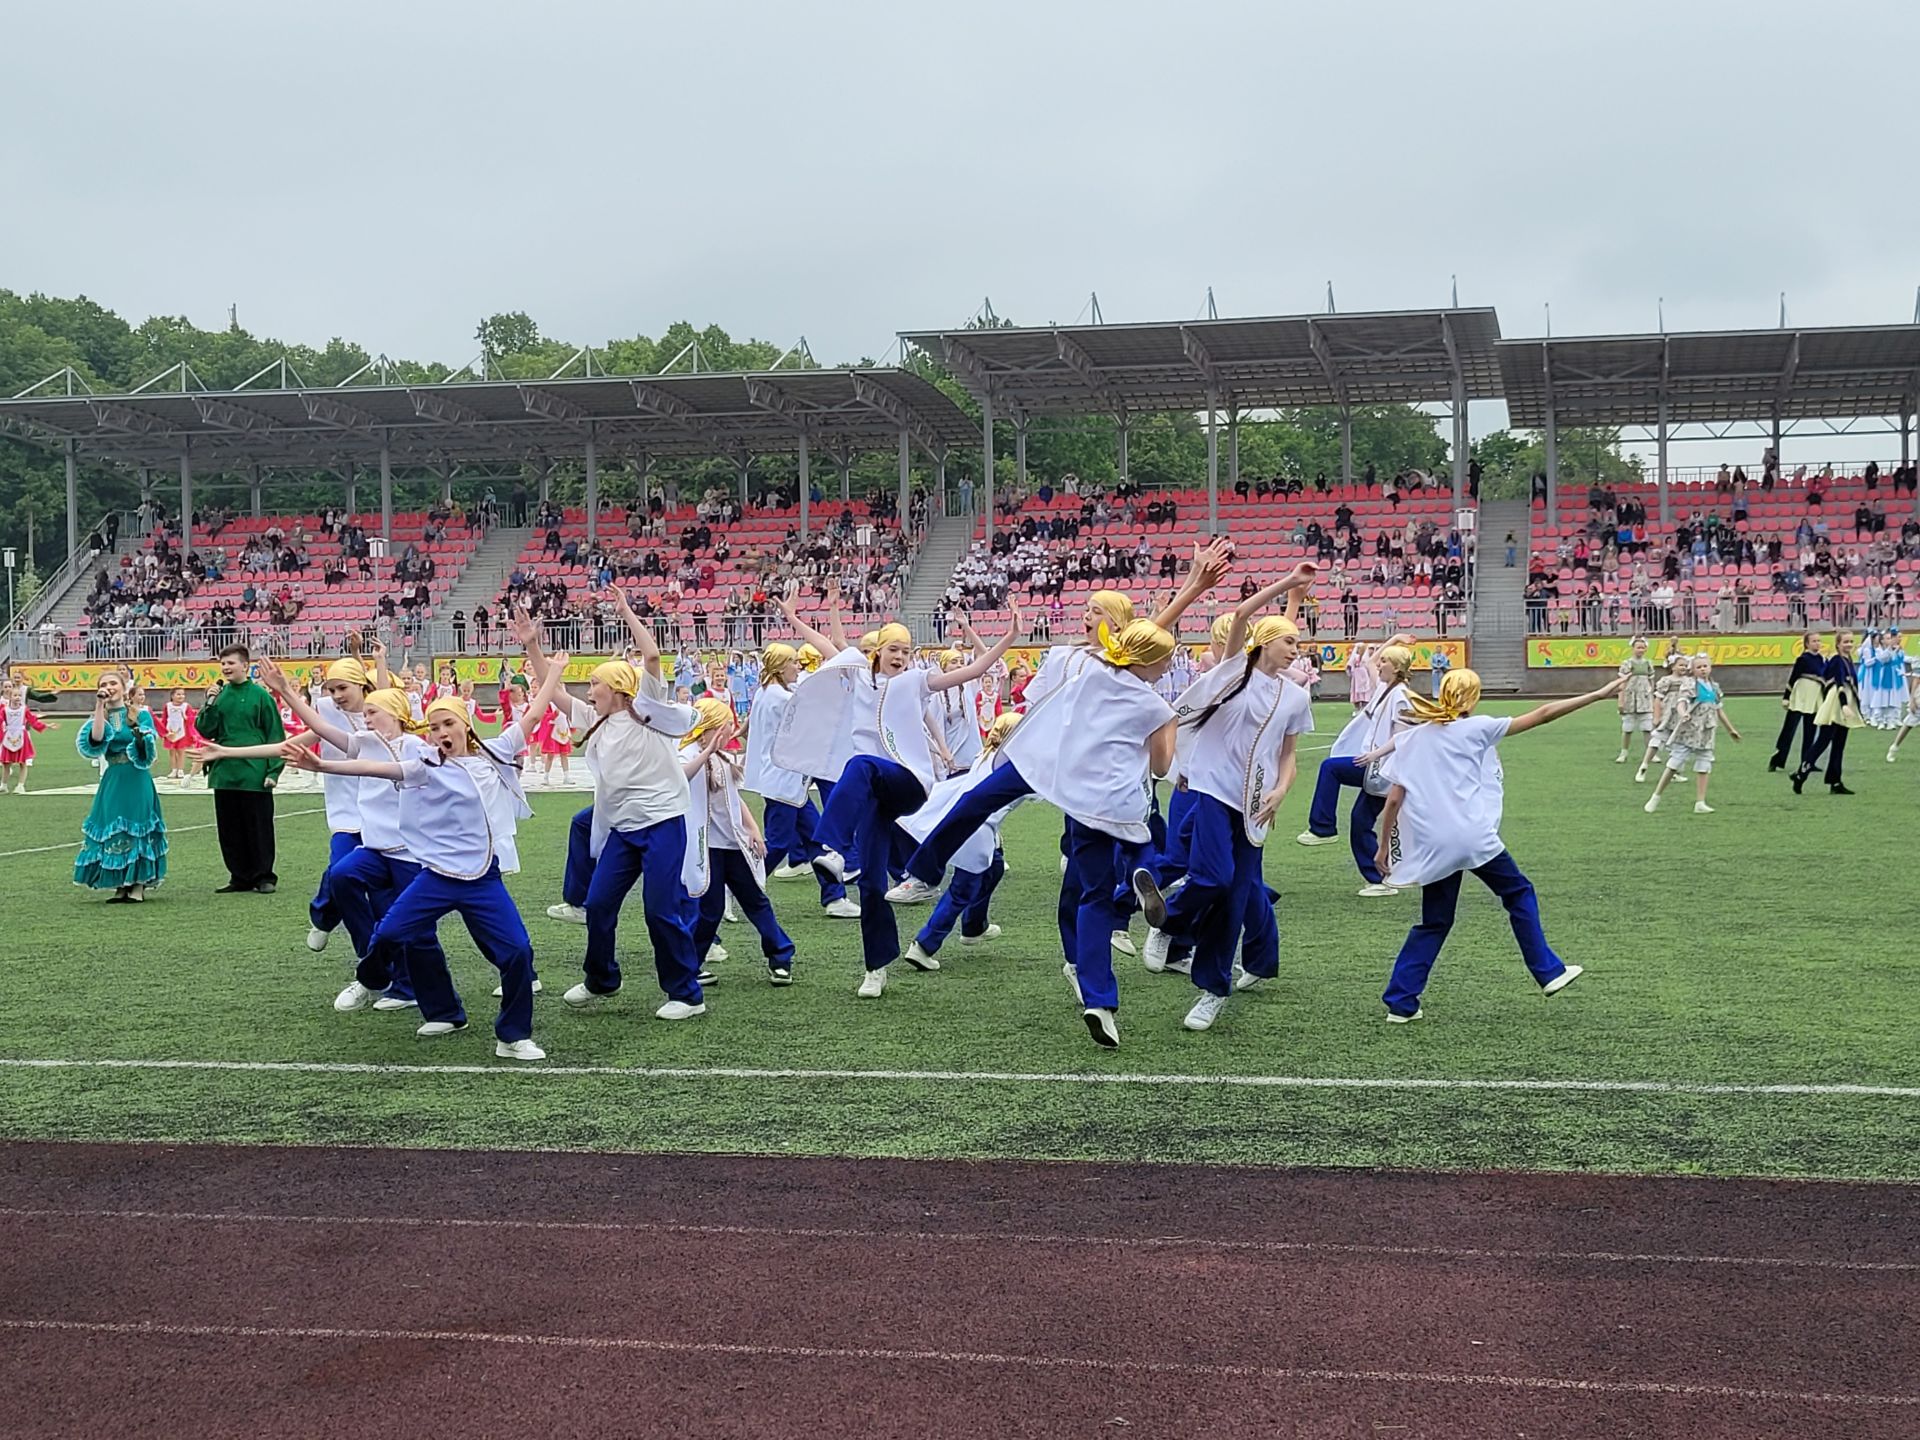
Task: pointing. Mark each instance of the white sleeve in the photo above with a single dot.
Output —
(580, 714)
(413, 771)
(513, 739)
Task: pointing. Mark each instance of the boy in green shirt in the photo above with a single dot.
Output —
(243, 714)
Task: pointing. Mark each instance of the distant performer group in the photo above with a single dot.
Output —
(915, 778)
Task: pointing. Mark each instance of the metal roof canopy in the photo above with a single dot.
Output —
(1712, 377)
(706, 414)
(1390, 357)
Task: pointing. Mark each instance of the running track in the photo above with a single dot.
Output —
(264, 1293)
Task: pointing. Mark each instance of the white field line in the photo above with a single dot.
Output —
(172, 830)
(997, 1077)
(966, 1237)
(961, 1358)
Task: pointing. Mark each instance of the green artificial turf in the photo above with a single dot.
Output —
(1770, 943)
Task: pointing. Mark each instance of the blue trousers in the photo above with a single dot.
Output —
(964, 903)
(997, 791)
(410, 925)
(1335, 772)
(650, 856)
(729, 871)
(579, 872)
(1437, 901)
(1093, 865)
(867, 800)
(1224, 897)
(322, 911)
(363, 886)
(792, 832)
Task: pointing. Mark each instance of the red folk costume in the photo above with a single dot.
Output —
(178, 733)
(16, 734)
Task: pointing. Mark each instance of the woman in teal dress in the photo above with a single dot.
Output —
(124, 845)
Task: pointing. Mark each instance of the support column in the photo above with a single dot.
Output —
(146, 484)
(1123, 428)
(253, 492)
(1233, 451)
(353, 489)
(1020, 450)
(593, 487)
(744, 464)
(986, 451)
(906, 479)
(546, 479)
(446, 481)
(845, 461)
(1553, 469)
(186, 497)
(940, 480)
(1907, 426)
(1346, 445)
(1660, 452)
(386, 492)
(1462, 442)
(73, 502)
(1779, 460)
(1213, 462)
(806, 483)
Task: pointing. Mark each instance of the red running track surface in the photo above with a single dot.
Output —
(255, 1292)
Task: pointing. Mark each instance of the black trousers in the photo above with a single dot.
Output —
(1802, 721)
(245, 822)
(1831, 742)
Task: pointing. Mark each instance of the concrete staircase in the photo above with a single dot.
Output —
(1499, 645)
(940, 552)
(486, 573)
(68, 608)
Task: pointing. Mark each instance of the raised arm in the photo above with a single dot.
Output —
(974, 669)
(382, 677)
(836, 627)
(813, 637)
(643, 640)
(1292, 585)
(549, 687)
(275, 679)
(1556, 709)
(1210, 566)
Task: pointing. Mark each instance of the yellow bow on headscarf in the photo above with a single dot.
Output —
(1116, 607)
(1269, 629)
(351, 671)
(809, 657)
(394, 703)
(713, 714)
(1141, 643)
(618, 676)
(1459, 693)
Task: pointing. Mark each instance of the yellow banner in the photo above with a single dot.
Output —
(1605, 652)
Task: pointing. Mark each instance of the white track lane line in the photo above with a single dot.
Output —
(993, 1077)
(964, 1237)
(981, 1358)
(172, 830)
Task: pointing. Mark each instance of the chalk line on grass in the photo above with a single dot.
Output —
(980, 1077)
(171, 830)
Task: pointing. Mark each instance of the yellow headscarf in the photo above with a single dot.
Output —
(618, 676)
(891, 633)
(394, 703)
(1459, 693)
(450, 705)
(775, 658)
(351, 671)
(1269, 629)
(809, 657)
(868, 643)
(713, 714)
(1116, 607)
(1222, 627)
(949, 659)
(1001, 727)
(1141, 643)
(1400, 658)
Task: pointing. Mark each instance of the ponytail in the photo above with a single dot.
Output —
(1246, 677)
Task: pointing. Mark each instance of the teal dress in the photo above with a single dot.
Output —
(124, 836)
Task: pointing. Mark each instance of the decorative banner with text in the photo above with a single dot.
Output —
(1605, 652)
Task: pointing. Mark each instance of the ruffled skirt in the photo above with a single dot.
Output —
(124, 837)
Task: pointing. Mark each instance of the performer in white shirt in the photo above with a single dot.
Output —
(730, 848)
(792, 823)
(1369, 729)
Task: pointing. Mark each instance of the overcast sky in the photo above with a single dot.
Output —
(394, 172)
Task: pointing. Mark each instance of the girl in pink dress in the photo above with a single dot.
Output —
(177, 732)
(553, 738)
(17, 724)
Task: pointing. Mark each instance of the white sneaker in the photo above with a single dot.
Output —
(912, 891)
(518, 1050)
(1153, 905)
(435, 1028)
(1621, 758)
(1073, 981)
(716, 953)
(1700, 807)
(1245, 979)
(1393, 1019)
(992, 932)
(1893, 752)
(1307, 837)
(679, 1010)
(1640, 775)
(1155, 953)
(499, 991)
(779, 975)
(831, 864)
(790, 871)
(1063, 864)
(1205, 1011)
(1122, 943)
(581, 998)
(1180, 967)
(1104, 1026)
(919, 958)
(317, 938)
(1371, 891)
(1565, 978)
(572, 914)
(394, 1002)
(1653, 803)
(872, 983)
(729, 915)
(845, 908)
(355, 997)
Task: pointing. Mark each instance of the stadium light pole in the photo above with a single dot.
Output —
(12, 559)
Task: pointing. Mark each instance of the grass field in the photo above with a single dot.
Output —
(1766, 945)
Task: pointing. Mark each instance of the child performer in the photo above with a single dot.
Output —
(635, 832)
(1909, 720)
(726, 846)
(1442, 819)
(1692, 742)
(959, 708)
(177, 733)
(978, 864)
(17, 722)
(1839, 713)
(451, 803)
(791, 820)
(1636, 700)
(1806, 687)
(124, 837)
(553, 737)
(1670, 693)
(862, 724)
(1388, 667)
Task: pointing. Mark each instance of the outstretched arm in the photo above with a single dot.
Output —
(1293, 584)
(274, 751)
(813, 637)
(302, 758)
(974, 669)
(1556, 709)
(1210, 566)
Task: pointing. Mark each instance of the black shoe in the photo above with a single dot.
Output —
(1799, 779)
(265, 887)
(233, 888)
(1838, 789)
(1773, 765)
